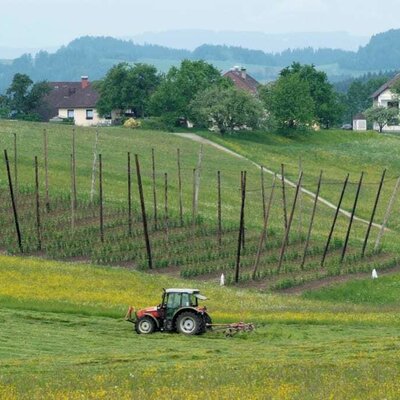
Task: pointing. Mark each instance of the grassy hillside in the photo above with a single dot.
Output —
(114, 143)
(336, 153)
(179, 250)
(63, 337)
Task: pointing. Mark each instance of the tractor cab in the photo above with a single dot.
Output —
(175, 299)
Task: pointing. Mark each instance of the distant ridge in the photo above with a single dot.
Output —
(94, 56)
(268, 42)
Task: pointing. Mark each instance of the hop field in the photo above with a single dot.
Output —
(192, 250)
(187, 247)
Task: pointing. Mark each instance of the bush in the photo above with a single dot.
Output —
(68, 121)
(33, 117)
(132, 123)
(154, 124)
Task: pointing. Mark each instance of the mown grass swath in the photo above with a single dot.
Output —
(301, 348)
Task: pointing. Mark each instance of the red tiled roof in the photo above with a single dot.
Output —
(243, 80)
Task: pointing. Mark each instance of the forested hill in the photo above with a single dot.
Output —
(93, 56)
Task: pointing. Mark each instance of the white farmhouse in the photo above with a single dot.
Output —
(75, 101)
(384, 97)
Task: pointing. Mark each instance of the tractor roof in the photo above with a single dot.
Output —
(191, 291)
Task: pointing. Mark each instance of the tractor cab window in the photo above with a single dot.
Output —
(174, 300)
(189, 300)
(193, 299)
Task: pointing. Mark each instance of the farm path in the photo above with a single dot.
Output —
(199, 139)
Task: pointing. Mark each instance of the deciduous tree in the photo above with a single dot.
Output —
(382, 116)
(23, 96)
(289, 101)
(226, 108)
(127, 87)
(327, 107)
(181, 85)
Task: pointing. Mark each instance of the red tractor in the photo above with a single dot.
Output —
(179, 311)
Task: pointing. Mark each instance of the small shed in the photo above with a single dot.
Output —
(359, 122)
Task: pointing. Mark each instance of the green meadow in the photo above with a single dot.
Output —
(62, 328)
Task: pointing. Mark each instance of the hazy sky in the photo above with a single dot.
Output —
(37, 23)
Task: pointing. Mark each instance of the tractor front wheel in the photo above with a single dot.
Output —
(190, 323)
(145, 325)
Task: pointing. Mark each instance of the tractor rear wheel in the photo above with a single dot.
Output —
(190, 323)
(145, 325)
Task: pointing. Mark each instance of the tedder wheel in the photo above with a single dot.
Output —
(190, 323)
(145, 325)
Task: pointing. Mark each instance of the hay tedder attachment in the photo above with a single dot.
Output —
(232, 329)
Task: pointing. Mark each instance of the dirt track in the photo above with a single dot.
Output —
(199, 139)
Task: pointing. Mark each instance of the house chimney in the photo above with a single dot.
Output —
(84, 82)
(243, 72)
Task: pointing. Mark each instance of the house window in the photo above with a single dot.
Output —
(107, 116)
(70, 113)
(89, 114)
(393, 104)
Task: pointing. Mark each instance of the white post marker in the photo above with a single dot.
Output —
(222, 280)
(374, 274)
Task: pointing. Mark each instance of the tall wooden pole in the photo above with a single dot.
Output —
(46, 170)
(334, 220)
(219, 210)
(129, 196)
(244, 222)
(166, 201)
(263, 192)
(371, 221)
(15, 167)
(197, 180)
(240, 240)
(263, 235)
(92, 189)
(72, 196)
(387, 215)
(101, 199)
(153, 165)
(38, 225)
(300, 204)
(287, 232)
(311, 222)
(74, 167)
(14, 205)
(351, 218)
(194, 199)
(180, 187)
(144, 218)
(284, 196)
